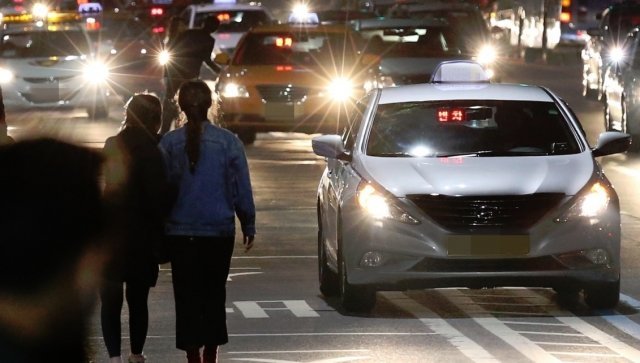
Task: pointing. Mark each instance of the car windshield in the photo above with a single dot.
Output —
(414, 42)
(300, 49)
(467, 29)
(470, 128)
(234, 21)
(44, 44)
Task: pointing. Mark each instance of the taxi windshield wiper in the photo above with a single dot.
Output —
(397, 154)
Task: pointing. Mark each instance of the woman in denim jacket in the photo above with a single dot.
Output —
(208, 167)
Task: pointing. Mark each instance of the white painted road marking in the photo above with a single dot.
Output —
(252, 309)
(466, 346)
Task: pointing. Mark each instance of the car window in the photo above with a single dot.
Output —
(301, 49)
(44, 44)
(234, 21)
(485, 128)
(467, 29)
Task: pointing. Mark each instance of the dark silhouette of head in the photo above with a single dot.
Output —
(210, 24)
(144, 110)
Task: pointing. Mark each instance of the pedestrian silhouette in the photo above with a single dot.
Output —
(208, 167)
(51, 226)
(189, 50)
(4, 137)
(135, 187)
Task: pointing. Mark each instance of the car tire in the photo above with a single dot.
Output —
(356, 299)
(602, 295)
(328, 279)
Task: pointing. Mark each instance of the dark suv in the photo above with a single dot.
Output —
(605, 44)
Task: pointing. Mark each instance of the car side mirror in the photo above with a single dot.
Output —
(222, 58)
(330, 146)
(611, 142)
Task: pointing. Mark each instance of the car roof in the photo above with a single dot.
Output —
(378, 23)
(324, 28)
(203, 8)
(463, 91)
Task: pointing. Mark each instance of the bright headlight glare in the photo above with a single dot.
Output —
(486, 55)
(164, 57)
(234, 90)
(377, 206)
(340, 89)
(6, 76)
(39, 10)
(96, 72)
(591, 205)
(616, 55)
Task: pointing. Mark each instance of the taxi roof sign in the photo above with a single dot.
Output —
(461, 71)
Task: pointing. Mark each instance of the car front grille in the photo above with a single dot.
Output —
(487, 213)
(46, 79)
(279, 93)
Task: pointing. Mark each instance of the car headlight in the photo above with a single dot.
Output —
(6, 76)
(616, 55)
(340, 89)
(234, 90)
(40, 11)
(378, 206)
(164, 57)
(486, 55)
(590, 205)
(96, 72)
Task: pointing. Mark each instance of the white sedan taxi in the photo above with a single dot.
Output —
(466, 184)
(53, 64)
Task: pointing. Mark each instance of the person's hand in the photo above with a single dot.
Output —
(247, 241)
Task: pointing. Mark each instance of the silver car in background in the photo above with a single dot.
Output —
(466, 185)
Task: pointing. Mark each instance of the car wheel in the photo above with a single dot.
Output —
(603, 295)
(327, 278)
(357, 299)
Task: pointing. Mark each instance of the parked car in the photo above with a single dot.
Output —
(466, 185)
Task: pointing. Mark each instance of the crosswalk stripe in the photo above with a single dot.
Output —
(499, 329)
(465, 345)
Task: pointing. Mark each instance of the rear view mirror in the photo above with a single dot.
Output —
(329, 146)
(611, 142)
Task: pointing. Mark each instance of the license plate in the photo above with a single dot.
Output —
(282, 111)
(51, 93)
(488, 245)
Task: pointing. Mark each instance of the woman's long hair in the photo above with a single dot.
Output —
(144, 110)
(194, 99)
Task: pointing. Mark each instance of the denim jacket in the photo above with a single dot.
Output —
(220, 188)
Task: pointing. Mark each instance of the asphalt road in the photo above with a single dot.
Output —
(275, 311)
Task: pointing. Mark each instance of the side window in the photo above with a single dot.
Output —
(354, 120)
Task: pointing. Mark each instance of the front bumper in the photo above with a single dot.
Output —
(420, 256)
(309, 115)
(21, 94)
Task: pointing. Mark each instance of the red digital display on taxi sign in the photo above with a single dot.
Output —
(451, 114)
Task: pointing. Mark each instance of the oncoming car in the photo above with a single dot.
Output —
(466, 185)
(50, 66)
(292, 78)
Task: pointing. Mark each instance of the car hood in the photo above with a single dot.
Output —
(462, 176)
(426, 66)
(284, 75)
